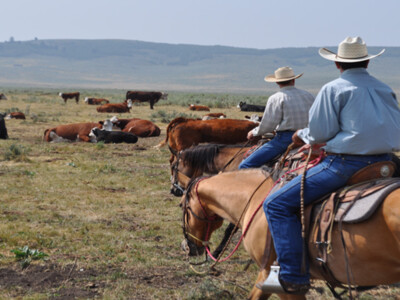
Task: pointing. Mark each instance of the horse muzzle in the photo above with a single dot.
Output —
(191, 248)
(177, 190)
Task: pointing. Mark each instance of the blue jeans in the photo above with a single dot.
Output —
(268, 151)
(281, 207)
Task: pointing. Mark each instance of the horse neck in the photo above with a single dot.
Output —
(228, 159)
(237, 201)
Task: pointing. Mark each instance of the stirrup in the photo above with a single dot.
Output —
(272, 284)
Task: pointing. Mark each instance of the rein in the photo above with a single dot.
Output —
(236, 155)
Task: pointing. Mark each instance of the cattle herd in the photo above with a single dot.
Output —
(94, 131)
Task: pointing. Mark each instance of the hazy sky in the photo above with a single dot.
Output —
(259, 24)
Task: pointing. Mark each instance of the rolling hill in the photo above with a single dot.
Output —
(123, 64)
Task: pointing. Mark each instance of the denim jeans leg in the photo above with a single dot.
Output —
(281, 208)
(268, 151)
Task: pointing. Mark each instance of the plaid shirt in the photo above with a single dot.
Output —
(285, 110)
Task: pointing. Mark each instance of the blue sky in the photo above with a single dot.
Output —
(258, 24)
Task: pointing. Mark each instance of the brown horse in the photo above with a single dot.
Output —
(372, 246)
(198, 160)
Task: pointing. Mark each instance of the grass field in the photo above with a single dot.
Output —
(100, 215)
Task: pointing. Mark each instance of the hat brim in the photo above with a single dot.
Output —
(271, 78)
(329, 55)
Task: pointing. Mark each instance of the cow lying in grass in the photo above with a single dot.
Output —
(112, 136)
(139, 127)
(115, 107)
(199, 107)
(15, 115)
(74, 132)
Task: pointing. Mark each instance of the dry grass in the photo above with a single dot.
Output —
(103, 213)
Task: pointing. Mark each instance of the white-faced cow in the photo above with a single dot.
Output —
(66, 96)
(15, 115)
(199, 107)
(96, 101)
(112, 136)
(72, 132)
(141, 128)
(115, 107)
(3, 97)
(142, 96)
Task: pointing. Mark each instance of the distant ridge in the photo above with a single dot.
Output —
(124, 64)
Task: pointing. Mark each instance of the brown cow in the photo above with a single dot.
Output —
(139, 127)
(141, 96)
(96, 101)
(183, 133)
(66, 96)
(115, 107)
(3, 97)
(199, 107)
(16, 115)
(72, 132)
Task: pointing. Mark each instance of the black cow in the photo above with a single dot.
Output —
(113, 136)
(250, 107)
(3, 129)
(141, 96)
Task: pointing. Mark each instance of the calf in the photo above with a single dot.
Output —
(199, 107)
(113, 136)
(16, 115)
(3, 97)
(66, 96)
(250, 107)
(115, 107)
(254, 118)
(3, 129)
(142, 96)
(96, 101)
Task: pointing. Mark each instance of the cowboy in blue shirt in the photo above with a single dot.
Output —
(358, 117)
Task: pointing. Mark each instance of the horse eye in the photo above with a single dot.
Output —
(180, 204)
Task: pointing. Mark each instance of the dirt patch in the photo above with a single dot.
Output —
(69, 282)
(59, 282)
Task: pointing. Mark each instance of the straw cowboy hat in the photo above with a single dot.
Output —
(351, 50)
(282, 74)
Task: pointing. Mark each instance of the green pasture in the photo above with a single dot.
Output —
(82, 220)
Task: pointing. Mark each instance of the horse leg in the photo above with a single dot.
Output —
(228, 232)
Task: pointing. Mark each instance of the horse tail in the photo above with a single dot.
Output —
(201, 158)
(170, 126)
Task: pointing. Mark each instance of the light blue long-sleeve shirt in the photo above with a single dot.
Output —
(354, 114)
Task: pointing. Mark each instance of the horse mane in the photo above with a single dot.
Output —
(201, 157)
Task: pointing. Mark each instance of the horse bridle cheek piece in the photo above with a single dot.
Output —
(174, 175)
(186, 209)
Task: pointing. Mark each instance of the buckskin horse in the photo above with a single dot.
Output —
(198, 160)
(372, 247)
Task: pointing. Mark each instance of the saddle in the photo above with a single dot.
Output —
(354, 203)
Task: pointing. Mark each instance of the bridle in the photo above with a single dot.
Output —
(187, 211)
(179, 191)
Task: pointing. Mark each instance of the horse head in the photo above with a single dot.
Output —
(198, 221)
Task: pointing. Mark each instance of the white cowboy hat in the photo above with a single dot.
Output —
(351, 50)
(282, 74)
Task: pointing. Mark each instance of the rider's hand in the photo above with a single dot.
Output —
(297, 142)
(250, 135)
